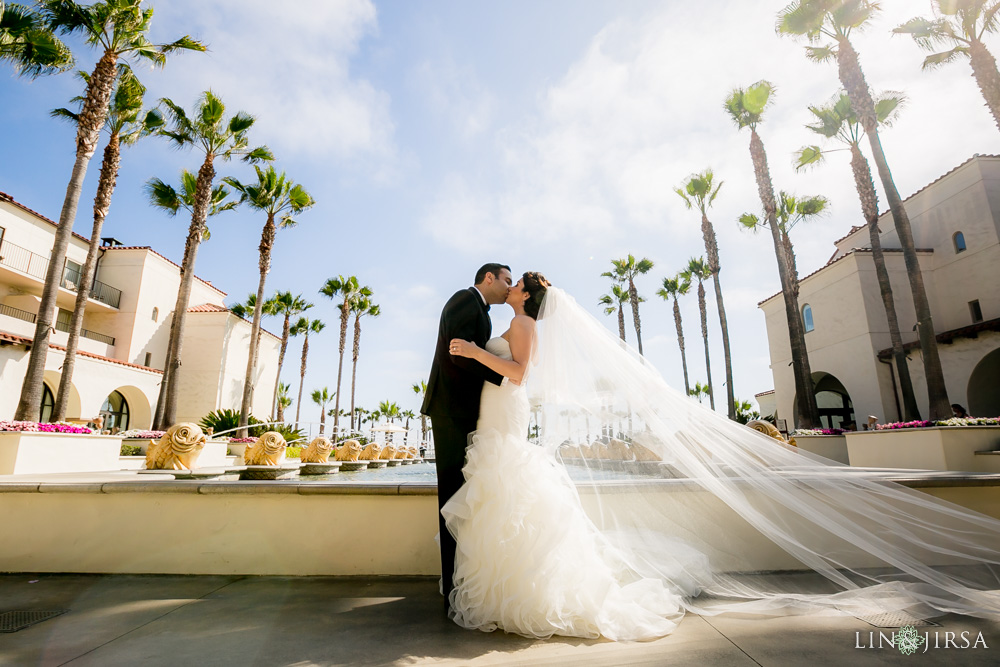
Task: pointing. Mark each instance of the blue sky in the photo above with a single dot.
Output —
(438, 135)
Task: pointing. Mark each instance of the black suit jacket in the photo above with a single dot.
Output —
(456, 383)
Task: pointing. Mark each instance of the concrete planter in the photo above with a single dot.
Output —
(25, 452)
(833, 447)
(931, 448)
(212, 456)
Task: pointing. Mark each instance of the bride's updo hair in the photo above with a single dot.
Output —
(535, 285)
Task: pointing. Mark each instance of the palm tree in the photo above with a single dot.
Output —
(698, 269)
(672, 289)
(288, 306)
(746, 106)
(838, 121)
(361, 305)
(118, 29)
(278, 198)
(218, 139)
(627, 269)
(125, 126)
(347, 288)
(835, 20)
(304, 326)
(961, 24)
(389, 410)
(283, 400)
(615, 302)
(420, 388)
(407, 415)
(321, 397)
(699, 390)
(28, 45)
(245, 311)
(700, 190)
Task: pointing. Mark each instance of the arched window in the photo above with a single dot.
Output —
(48, 404)
(115, 411)
(807, 317)
(959, 240)
(156, 314)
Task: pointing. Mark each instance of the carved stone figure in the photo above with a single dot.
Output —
(411, 452)
(269, 450)
(388, 453)
(350, 451)
(767, 428)
(618, 450)
(370, 452)
(401, 453)
(318, 451)
(178, 449)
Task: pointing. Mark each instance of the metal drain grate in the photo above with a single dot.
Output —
(12, 621)
(895, 619)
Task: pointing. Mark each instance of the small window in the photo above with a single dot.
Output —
(976, 311)
(156, 314)
(807, 317)
(48, 404)
(959, 241)
(149, 359)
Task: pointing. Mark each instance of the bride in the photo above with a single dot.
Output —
(624, 558)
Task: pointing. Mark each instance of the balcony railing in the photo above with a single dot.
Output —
(25, 261)
(86, 333)
(10, 311)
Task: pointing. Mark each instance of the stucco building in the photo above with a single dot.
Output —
(126, 325)
(956, 229)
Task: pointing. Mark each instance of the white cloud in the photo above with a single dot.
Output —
(454, 94)
(288, 67)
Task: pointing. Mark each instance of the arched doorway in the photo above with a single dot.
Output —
(48, 404)
(115, 411)
(984, 390)
(836, 410)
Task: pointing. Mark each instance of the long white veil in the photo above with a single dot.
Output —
(707, 505)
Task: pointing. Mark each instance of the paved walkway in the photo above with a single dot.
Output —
(175, 621)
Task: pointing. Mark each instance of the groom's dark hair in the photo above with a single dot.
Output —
(493, 268)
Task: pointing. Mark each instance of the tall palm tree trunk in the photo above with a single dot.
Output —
(633, 295)
(853, 78)
(712, 252)
(869, 207)
(984, 70)
(302, 377)
(680, 344)
(621, 321)
(354, 367)
(804, 395)
(278, 411)
(345, 313)
(704, 336)
(102, 202)
(264, 263)
(199, 213)
(92, 118)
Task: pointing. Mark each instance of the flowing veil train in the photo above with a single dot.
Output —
(740, 502)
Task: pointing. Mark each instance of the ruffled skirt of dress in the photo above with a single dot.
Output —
(531, 562)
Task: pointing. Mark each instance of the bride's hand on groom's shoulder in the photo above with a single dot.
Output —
(462, 348)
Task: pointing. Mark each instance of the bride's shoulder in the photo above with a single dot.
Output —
(523, 323)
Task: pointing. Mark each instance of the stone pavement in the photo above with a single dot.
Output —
(212, 620)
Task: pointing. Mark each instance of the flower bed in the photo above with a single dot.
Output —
(36, 427)
(954, 421)
(139, 434)
(818, 431)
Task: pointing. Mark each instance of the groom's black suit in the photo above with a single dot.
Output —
(452, 402)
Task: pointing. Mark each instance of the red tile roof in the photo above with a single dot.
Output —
(21, 340)
(146, 247)
(764, 393)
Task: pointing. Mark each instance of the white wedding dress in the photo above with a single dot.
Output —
(625, 558)
(529, 560)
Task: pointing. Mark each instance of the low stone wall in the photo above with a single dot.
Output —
(322, 528)
(929, 448)
(833, 447)
(26, 452)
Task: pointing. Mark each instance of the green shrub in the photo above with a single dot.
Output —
(131, 450)
(293, 452)
(226, 419)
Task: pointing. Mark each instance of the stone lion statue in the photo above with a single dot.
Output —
(269, 450)
(643, 453)
(388, 453)
(412, 452)
(349, 451)
(178, 449)
(370, 452)
(769, 429)
(618, 450)
(318, 451)
(401, 452)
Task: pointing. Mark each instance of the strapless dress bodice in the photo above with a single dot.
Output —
(499, 347)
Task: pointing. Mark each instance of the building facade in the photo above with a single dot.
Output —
(956, 229)
(126, 326)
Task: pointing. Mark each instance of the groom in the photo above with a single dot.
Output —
(454, 388)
